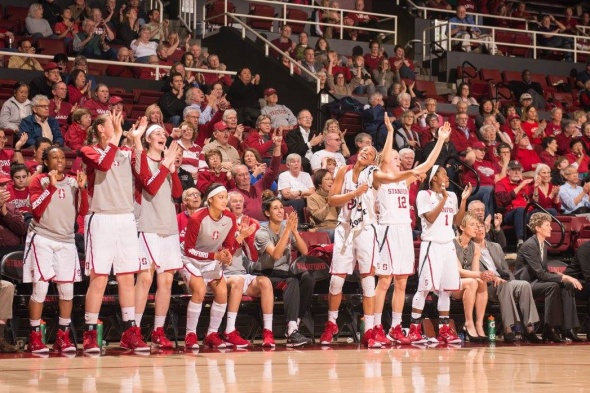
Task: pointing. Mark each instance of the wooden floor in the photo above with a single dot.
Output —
(342, 368)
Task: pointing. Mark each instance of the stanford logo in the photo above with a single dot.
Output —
(61, 193)
(215, 235)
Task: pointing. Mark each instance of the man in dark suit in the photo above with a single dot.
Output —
(507, 290)
(580, 269)
(310, 64)
(302, 140)
(558, 289)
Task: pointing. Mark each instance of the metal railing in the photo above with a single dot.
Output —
(442, 39)
(284, 20)
(469, 168)
(187, 14)
(536, 206)
(157, 67)
(269, 45)
(157, 4)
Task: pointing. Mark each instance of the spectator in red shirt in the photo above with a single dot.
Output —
(488, 176)
(554, 126)
(570, 131)
(521, 13)
(549, 154)
(58, 107)
(19, 190)
(283, 42)
(531, 126)
(577, 157)
(545, 193)
(462, 136)
(262, 138)
(512, 193)
(570, 22)
(401, 64)
(76, 135)
(79, 90)
(215, 173)
(373, 58)
(524, 152)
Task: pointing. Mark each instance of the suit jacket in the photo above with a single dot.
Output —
(531, 266)
(580, 265)
(296, 144)
(499, 261)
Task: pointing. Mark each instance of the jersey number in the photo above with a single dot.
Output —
(446, 220)
(351, 204)
(401, 202)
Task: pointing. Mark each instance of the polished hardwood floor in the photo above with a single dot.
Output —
(342, 367)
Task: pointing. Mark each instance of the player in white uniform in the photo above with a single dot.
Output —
(209, 243)
(50, 251)
(396, 257)
(111, 232)
(437, 267)
(156, 184)
(355, 189)
(240, 282)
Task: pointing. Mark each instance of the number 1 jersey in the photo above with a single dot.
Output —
(441, 230)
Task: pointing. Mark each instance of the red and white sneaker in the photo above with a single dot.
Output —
(234, 339)
(330, 330)
(396, 335)
(447, 336)
(63, 342)
(379, 335)
(369, 340)
(160, 340)
(131, 339)
(213, 340)
(191, 341)
(268, 339)
(416, 336)
(36, 343)
(91, 342)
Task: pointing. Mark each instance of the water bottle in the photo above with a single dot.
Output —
(491, 329)
(99, 333)
(43, 329)
(362, 328)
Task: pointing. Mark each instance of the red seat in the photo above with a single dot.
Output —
(540, 79)
(490, 75)
(508, 76)
(522, 51)
(467, 73)
(556, 235)
(428, 88)
(16, 16)
(554, 80)
(503, 37)
(583, 236)
(352, 122)
(315, 238)
(480, 90)
(261, 10)
(51, 46)
(146, 97)
(297, 14)
(567, 101)
(216, 9)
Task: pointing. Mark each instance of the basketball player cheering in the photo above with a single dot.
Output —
(111, 232)
(355, 238)
(210, 242)
(156, 184)
(50, 251)
(438, 269)
(395, 237)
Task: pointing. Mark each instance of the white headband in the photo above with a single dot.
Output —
(433, 172)
(216, 191)
(152, 128)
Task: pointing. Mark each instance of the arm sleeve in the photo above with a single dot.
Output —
(40, 197)
(99, 161)
(151, 182)
(271, 173)
(82, 201)
(190, 241)
(261, 241)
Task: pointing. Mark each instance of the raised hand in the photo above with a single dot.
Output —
(52, 177)
(292, 222)
(246, 230)
(444, 131)
(467, 191)
(170, 155)
(138, 131)
(488, 222)
(21, 141)
(81, 179)
(387, 122)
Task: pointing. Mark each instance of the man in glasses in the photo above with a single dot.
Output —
(40, 124)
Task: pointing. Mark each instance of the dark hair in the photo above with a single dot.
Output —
(74, 75)
(45, 157)
(18, 85)
(576, 141)
(212, 187)
(16, 167)
(266, 203)
(546, 141)
(41, 140)
(357, 50)
(184, 56)
(59, 57)
(173, 74)
(318, 176)
(482, 103)
(501, 146)
(526, 69)
(20, 43)
(460, 87)
(253, 151)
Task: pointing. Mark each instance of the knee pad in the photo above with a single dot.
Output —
(66, 291)
(39, 291)
(368, 284)
(444, 301)
(336, 284)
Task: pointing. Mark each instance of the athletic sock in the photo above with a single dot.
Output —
(215, 317)
(291, 327)
(91, 320)
(128, 314)
(332, 316)
(64, 323)
(378, 318)
(230, 322)
(396, 319)
(192, 316)
(35, 325)
(159, 321)
(416, 315)
(138, 318)
(369, 322)
(267, 321)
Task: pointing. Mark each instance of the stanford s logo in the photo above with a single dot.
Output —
(215, 235)
(61, 193)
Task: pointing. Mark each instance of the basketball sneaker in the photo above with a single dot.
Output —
(447, 336)
(234, 339)
(379, 335)
(91, 342)
(396, 335)
(131, 339)
(36, 342)
(415, 335)
(214, 340)
(160, 340)
(369, 340)
(191, 341)
(330, 330)
(63, 342)
(296, 339)
(268, 339)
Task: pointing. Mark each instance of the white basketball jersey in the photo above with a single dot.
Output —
(360, 211)
(441, 230)
(394, 203)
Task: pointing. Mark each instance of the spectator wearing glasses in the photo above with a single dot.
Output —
(43, 84)
(262, 140)
(40, 124)
(283, 42)
(575, 199)
(23, 62)
(332, 147)
(124, 55)
(303, 140)
(16, 108)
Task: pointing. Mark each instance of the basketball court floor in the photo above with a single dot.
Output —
(340, 368)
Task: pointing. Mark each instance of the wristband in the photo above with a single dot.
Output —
(17, 150)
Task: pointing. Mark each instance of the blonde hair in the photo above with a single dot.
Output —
(537, 219)
(328, 123)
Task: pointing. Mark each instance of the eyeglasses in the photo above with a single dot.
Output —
(306, 118)
(42, 106)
